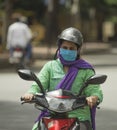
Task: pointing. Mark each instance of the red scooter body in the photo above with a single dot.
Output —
(59, 124)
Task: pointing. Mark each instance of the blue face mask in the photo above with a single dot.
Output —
(68, 55)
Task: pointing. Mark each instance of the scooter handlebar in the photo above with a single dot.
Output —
(22, 99)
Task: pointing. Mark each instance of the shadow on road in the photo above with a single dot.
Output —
(14, 116)
(106, 119)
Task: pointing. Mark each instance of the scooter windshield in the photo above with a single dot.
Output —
(60, 105)
(60, 100)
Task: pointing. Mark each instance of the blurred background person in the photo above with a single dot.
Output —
(20, 35)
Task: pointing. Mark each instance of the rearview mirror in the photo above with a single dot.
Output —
(96, 79)
(26, 74)
(29, 75)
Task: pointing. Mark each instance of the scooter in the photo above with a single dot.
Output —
(18, 54)
(57, 103)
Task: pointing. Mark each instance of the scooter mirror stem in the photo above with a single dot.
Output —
(82, 88)
(29, 75)
(39, 83)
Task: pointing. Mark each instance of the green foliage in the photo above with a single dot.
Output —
(107, 7)
(1, 1)
(1, 4)
(111, 2)
(36, 6)
(84, 8)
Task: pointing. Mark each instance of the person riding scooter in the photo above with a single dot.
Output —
(70, 71)
(19, 36)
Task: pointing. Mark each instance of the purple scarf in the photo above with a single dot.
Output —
(68, 79)
(74, 66)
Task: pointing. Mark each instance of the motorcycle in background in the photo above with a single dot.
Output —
(18, 55)
(56, 104)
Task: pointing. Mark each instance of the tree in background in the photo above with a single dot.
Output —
(33, 9)
(7, 5)
(94, 14)
(52, 24)
(59, 14)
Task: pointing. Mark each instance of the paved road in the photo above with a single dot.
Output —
(97, 60)
(40, 53)
(14, 116)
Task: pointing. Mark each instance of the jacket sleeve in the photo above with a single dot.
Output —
(43, 76)
(93, 90)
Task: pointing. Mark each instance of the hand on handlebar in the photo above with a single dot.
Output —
(27, 97)
(92, 101)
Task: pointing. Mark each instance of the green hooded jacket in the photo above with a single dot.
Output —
(52, 73)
